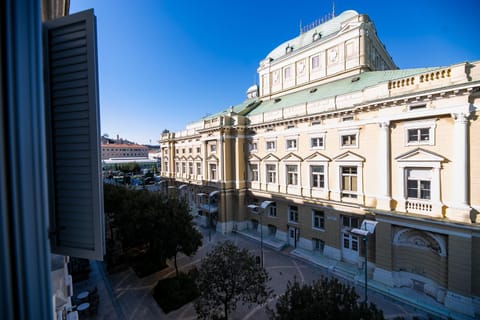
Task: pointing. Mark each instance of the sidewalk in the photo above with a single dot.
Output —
(353, 274)
(124, 296)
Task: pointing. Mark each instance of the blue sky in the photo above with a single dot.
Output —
(166, 63)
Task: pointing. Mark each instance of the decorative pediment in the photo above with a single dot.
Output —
(212, 158)
(254, 157)
(349, 157)
(198, 158)
(349, 26)
(183, 158)
(420, 155)
(270, 157)
(291, 157)
(317, 156)
(190, 158)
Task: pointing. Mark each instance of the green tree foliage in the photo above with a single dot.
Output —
(131, 167)
(163, 224)
(325, 299)
(228, 275)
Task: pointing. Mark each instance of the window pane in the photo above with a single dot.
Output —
(354, 183)
(412, 135)
(425, 189)
(424, 134)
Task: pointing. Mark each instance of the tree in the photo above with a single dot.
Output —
(142, 217)
(228, 275)
(183, 237)
(325, 299)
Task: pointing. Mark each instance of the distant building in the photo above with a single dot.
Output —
(120, 151)
(337, 137)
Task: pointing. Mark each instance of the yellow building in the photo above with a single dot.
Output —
(336, 135)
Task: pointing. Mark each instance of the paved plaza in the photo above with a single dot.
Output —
(125, 296)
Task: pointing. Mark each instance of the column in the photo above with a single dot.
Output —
(220, 158)
(204, 160)
(460, 160)
(460, 209)
(383, 196)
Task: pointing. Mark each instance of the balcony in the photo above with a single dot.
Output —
(418, 206)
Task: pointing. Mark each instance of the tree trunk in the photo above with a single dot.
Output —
(175, 262)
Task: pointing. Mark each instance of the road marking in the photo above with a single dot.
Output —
(259, 307)
(299, 271)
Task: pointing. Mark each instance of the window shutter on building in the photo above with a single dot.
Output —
(77, 218)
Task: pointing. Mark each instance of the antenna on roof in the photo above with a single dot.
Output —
(300, 25)
(333, 8)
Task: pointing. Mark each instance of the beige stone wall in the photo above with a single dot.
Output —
(476, 266)
(474, 158)
(460, 265)
(421, 261)
(383, 237)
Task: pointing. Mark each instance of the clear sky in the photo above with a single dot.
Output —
(166, 63)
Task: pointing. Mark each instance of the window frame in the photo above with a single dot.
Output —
(320, 176)
(349, 193)
(273, 143)
(292, 178)
(254, 174)
(429, 125)
(321, 215)
(292, 213)
(271, 173)
(293, 142)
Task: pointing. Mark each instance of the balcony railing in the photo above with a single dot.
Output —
(418, 206)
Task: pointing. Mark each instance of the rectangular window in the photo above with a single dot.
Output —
(272, 210)
(270, 145)
(190, 167)
(349, 222)
(198, 149)
(292, 174)
(419, 184)
(318, 244)
(317, 176)
(318, 219)
(316, 142)
(213, 148)
(184, 168)
(253, 146)
(213, 171)
(287, 73)
(293, 214)
(315, 62)
(291, 144)
(177, 167)
(190, 150)
(349, 182)
(254, 172)
(349, 140)
(183, 150)
(199, 168)
(418, 135)
(271, 170)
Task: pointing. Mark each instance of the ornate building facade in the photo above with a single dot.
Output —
(335, 135)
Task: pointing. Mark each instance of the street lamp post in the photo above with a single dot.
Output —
(261, 209)
(368, 226)
(209, 196)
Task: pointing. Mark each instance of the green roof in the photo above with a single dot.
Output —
(240, 108)
(334, 88)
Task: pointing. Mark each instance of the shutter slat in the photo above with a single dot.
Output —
(75, 138)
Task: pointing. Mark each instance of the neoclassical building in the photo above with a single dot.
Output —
(336, 135)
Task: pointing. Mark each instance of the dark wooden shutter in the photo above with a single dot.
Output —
(77, 218)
